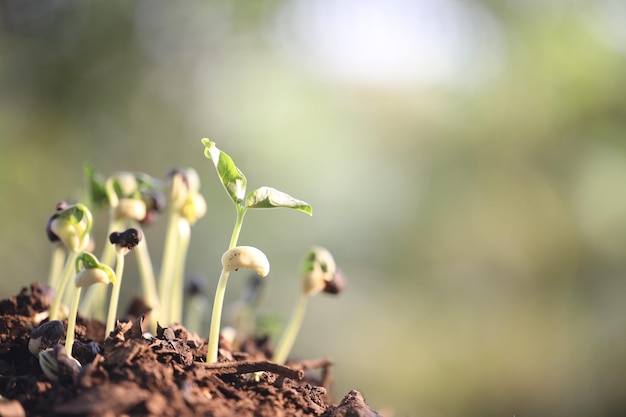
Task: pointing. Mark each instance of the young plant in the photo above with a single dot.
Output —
(124, 242)
(319, 273)
(89, 272)
(234, 183)
(58, 366)
(186, 206)
(71, 226)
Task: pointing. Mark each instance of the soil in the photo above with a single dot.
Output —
(135, 374)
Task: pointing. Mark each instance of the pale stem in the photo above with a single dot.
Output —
(241, 212)
(291, 331)
(94, 301)
(56, 265)
(176, 305)
(108, 252)
(115, 295)
(71, 322)
(146, 274)
(68, 273)
(216, 317)
(168, 263)
(68, 295)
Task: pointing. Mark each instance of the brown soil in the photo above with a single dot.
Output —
(165, 375)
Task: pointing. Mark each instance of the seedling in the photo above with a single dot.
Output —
(45, 336)
(186, 206)
(89, 272)
(319, 273)
(234, 183)
(70, 225)
(58, 366)
(124, 242)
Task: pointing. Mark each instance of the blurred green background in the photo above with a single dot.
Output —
(465, 160)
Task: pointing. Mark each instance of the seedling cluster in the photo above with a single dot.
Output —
(134, 200)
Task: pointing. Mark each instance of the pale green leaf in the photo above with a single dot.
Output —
(268, 197)
(232, 178)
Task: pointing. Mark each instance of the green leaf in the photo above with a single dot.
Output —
(231, 177)
(73, 214)
(87, 260)
(117, 188)
(268, 197)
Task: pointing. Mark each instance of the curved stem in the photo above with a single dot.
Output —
(115, 295)
(109, 188)
(291, 331)
(71, 322)
(241, 212)
(68, 272)
(216, 317)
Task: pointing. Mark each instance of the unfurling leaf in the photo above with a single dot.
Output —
(231, 177)
(268, 197)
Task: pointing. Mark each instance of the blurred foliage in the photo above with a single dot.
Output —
(480, 220)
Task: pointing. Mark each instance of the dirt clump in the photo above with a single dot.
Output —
(138, 374)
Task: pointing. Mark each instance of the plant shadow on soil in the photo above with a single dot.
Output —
(131, 373)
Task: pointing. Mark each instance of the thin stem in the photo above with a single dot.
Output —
(115, 295)
(216, 316)
(291, 331)
(168, 264)
(148, 283)
(109, 187)
(68, 273)
(241, 212)
(176, 305)
(56, 265)
(71, 322)
(68, 294)
(108, 253)
(94, 301)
